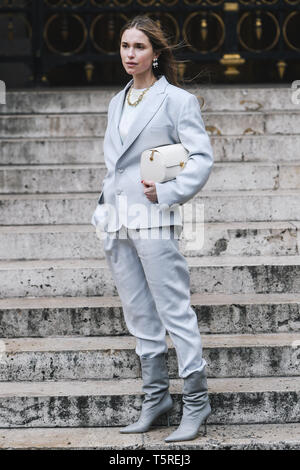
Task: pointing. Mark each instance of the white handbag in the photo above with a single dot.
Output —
(163, 163)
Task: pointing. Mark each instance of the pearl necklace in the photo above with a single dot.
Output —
(140, 97)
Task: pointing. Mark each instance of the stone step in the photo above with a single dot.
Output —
(82, 358)
(91, 125)
(85, 178)
(216, 98)
(220, 239)
(103, 316)
(42, 178)
(219, 437)
(275, 148)
(52, 151)
(118, 402)
(53, 125)
(209, 274)
(253, 123)
(219, 206)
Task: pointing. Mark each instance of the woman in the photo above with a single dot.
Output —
(150, 273)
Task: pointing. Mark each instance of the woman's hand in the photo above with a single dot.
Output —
(150, 190)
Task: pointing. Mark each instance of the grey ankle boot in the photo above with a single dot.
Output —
(156, 387)
(196, 408)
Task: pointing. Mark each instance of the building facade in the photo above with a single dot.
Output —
(76, 42)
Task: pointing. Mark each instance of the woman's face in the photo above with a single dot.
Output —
(136, 52)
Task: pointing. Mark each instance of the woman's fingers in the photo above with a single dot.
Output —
(150, 190)
(148, 183)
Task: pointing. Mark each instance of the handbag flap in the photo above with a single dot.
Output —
(173, 155)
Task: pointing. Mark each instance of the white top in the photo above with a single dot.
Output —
(129, 112)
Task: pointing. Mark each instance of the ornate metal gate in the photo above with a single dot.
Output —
(76, 42)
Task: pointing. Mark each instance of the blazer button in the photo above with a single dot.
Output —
(120, 170)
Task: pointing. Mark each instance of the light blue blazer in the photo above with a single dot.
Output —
(168, 115)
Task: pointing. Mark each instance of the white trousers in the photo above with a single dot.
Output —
(153, 282)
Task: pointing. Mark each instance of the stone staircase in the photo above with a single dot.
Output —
(69, 374)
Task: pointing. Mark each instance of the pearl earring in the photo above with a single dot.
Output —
(155, 63)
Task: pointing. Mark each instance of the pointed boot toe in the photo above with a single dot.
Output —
(182, 434)
(196, 408)
(132, 428)
(158, 400)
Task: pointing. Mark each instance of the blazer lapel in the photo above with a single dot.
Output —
(115, 134)
(155, 98)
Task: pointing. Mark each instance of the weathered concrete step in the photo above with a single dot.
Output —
(82, 358)
(117, 402)
(219, 437)
(264, 148)
(275, 148)
(43, 178)
(103, 316)
(85, 178)
(90, 125)
(254, 175)
(257, 123)
(52, 151)
(54, 101)
(231, 275)
(54, 125)
(220, 239)
(219, 206)
(216, 97)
